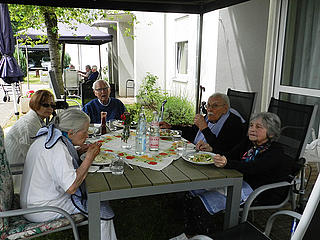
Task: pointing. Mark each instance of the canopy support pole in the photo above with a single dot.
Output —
(100, 59)
(15, 105)
(198, 59)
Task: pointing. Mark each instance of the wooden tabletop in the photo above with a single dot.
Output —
(179, 171)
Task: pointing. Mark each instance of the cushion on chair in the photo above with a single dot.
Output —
(21, 228)
(6, 185)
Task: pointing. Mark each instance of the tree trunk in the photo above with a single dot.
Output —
(52, 32)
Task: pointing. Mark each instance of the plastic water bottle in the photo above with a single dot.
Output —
(154, 135)
(141, 134)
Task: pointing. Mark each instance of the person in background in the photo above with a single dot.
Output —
(20, 136)
(103, 103)
(85, 74)
(222, 128)
(94, 75)
(54, 174)
(261, 160)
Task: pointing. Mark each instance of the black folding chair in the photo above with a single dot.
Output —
(296, 122)
(308, 226)
(243, 102)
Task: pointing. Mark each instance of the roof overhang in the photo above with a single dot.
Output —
(177, 6)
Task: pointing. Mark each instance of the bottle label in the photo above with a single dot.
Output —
(154, 142)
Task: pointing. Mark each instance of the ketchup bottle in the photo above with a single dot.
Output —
(103, 123)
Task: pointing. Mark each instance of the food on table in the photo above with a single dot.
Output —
(168, 132)
(103, 158)
(201, 157)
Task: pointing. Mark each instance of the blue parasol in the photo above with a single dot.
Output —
(10, 71)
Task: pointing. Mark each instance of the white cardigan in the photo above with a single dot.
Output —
(18, 140)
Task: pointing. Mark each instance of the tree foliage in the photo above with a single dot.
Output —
(47, 18)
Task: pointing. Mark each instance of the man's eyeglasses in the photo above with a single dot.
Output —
(46, 105)
(213, 105)
(101, 89)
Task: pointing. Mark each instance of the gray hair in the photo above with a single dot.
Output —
(94, 67)
(100, 80)
(71, 119)
(271, 122)
(223, 96)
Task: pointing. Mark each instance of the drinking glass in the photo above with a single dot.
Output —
(181, 148)
(117, 166)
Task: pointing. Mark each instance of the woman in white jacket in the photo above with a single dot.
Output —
(20, 136)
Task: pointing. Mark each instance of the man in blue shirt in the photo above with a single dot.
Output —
(103, 103)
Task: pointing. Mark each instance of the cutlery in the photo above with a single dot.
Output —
(101, 167)
(129, 165)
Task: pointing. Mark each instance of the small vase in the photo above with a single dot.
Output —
(125, 143)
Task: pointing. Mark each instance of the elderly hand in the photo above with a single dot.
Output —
(200, 122)
(220, 161)
(164, 125)
(82, 149)
(202, 146)
(93, 151)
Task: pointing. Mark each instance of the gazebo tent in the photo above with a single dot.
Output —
(79, 34)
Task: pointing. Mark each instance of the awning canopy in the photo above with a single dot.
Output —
(82, 34)
(177, 6)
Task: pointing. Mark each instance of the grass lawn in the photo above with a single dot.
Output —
(33, 79)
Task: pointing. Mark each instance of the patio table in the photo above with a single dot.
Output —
(177, 177)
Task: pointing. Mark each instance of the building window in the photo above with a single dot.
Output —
(182, 57)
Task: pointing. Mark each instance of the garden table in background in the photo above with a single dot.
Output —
(177, 177)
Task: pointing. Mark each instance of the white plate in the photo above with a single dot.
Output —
(117, 123)
(103, 158)
(192, 156)
(169, 133)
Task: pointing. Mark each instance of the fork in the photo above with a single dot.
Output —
(101, 167)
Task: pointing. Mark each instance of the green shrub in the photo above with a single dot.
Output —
(178, 111)
(22, 59)
(149, 95)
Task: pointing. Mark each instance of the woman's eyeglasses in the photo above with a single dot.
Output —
(46, 105)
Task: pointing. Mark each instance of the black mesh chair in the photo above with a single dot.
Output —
(296, 122)
(87, 93)
(308, 226)
(243, 102)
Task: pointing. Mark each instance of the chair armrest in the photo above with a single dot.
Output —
(22, 211)
(272, 218)
(258, 191)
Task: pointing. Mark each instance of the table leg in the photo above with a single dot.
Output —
(233, 204)
(94, 216)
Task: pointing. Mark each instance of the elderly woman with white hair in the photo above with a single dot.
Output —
(261, 160)
(53, 174)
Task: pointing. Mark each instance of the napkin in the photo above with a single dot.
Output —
(95, 168)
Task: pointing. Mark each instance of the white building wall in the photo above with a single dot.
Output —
(241, 47)
(149, 47)
(126, 57)
(181, 27)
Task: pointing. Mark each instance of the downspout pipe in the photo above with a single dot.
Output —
(198, 60)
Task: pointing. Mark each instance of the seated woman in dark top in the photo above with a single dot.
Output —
(259, 157)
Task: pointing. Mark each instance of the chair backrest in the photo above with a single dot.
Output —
(243, 102)
(308, 226)
(296, 122)
(71, 79)
(86, 93)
